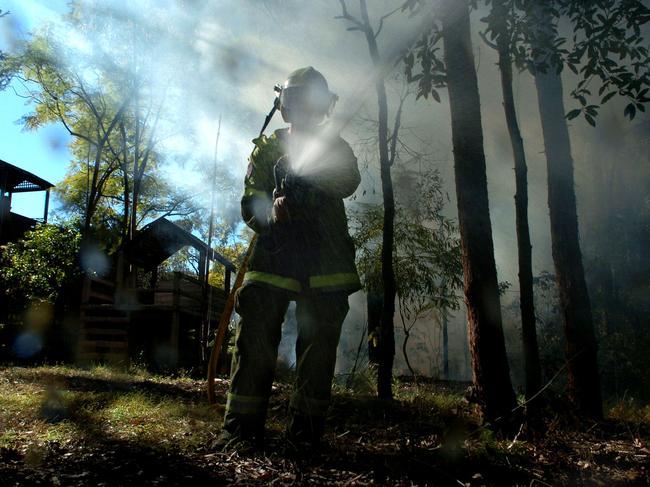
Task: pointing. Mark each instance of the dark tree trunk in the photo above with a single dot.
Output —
(489, 362)
(407, 335)
(387, 336)
(582, 349)
(374, 301)
(126, 234)
(94, 192)
(524, 248)
(387, 331)
(445, 344)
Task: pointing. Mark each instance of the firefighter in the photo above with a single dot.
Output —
(293, 199)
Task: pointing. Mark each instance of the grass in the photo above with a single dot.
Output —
(86, 425)
(629, 411)
(64, 405)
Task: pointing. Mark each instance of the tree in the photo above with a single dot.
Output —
(386, 159)
(601, 32)
(500, 31)
(113, 102)
(89, 113)
(40, 283)
(458, 73)
(582, 350)
(489, 361)
(157, 198)
(5, 77)
(40, 266)
(426, 254)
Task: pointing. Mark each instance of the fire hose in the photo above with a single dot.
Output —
(230, 302)
(280, 176)
(224, 321)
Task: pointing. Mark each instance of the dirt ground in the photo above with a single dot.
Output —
(61, 426)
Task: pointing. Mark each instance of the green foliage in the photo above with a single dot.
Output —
(426, 61)
(605, 47)
(113, 107)
(39, 266)
(620, 308)
(624, 361)
(232, 245)
(157, 198)
(5, 70)
(426, 256)
(608, 46)
(629, 411)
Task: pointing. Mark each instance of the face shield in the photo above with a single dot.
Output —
(306, 102)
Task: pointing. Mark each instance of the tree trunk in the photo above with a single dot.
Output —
(582, 349)
(94, 190)
(387, 332)
(407, 335)
(374, 301)
(125, 178)
(489, 362)
(445, 343)
(387, 335)
(524, 248)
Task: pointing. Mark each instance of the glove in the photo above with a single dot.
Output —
(280, 211)
(288, 182)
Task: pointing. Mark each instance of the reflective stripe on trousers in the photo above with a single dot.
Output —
(325, 282)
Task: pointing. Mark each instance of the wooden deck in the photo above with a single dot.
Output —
(160, 326)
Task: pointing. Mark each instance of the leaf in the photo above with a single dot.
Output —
(630, 111)
(590, 119)
(608, 97)
(573, 114)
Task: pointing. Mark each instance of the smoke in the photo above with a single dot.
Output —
(211, 58)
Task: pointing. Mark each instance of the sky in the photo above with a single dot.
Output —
(44, 152)
(239, 62)
(223, 58)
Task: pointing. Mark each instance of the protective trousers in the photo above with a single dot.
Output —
(262, 310)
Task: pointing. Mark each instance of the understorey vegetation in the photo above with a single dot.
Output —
(100, 426)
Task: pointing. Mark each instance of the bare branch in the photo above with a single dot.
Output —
(384, 17)
(346, 15)
(396, 127)
(488, 41)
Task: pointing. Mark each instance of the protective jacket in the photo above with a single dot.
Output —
(313, 253)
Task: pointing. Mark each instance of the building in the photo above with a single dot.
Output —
(164, 322)
(16, 180)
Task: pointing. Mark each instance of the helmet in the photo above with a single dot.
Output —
(305, 94)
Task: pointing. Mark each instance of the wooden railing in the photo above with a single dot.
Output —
(97, 291)
(187, 293)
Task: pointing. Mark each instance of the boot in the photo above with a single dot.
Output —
(306, 429)
(242, 433)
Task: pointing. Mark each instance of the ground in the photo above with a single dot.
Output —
(63, 426)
